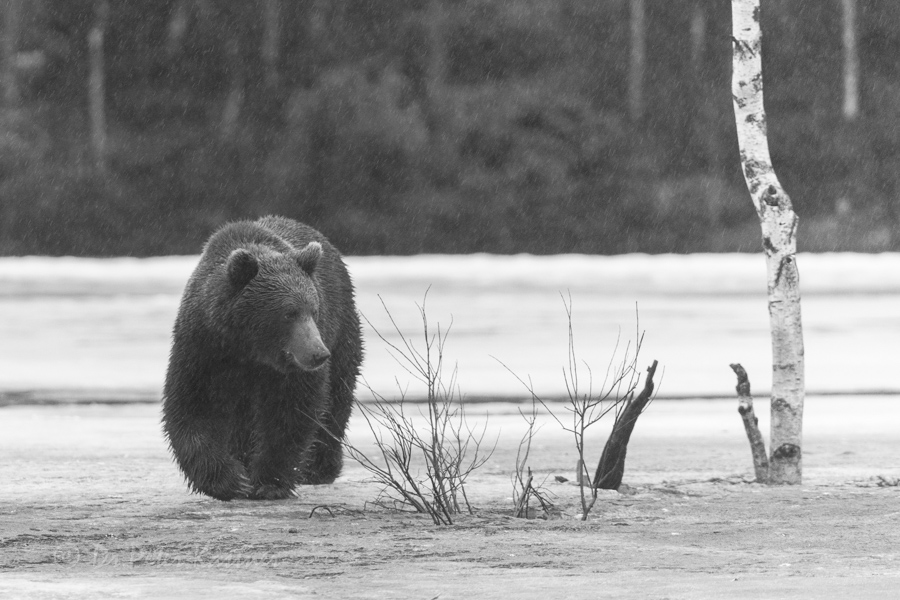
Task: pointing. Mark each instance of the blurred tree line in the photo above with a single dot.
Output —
(406, 126)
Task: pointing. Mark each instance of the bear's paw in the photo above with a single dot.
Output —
(270, 491)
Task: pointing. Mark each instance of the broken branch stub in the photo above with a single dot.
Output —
(751, 424)
(611, 468)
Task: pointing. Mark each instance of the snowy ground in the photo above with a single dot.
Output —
(102, 326)
(91, 507)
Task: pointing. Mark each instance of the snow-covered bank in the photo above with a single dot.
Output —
(698, 274)
(104, 324)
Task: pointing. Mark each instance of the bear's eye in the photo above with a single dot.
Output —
(291, 315)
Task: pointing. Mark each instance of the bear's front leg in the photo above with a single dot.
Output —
(199, 422)
(229, 480)
(272, 473)
(284, 427)
(206, 464)
(325, 458)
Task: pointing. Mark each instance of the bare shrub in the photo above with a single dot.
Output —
(524, 488)
(423, 466)
(586, 407)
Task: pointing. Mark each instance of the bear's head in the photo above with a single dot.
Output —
(276, 305)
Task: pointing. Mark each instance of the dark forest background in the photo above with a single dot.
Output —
(408, 126)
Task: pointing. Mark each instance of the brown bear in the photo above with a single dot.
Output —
(265, 354)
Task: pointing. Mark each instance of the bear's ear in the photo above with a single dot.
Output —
(308, 258)
(242, 267)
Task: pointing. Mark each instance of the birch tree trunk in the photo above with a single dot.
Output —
(97, 84)
(851, 61)
(779, 228)
(637, 60)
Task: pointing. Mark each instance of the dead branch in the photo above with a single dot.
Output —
(751, 424)
(529, 491)
(323, 507)
(522, 503)
(611, 467)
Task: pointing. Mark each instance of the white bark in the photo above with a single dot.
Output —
(851, 61)
(779, 228)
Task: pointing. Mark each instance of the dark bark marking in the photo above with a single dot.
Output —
(779, 404)
(778, 273)
(786, 451)
(782, 265)
(749, 171)
(757, 82)
(771, 196)
(743, 380)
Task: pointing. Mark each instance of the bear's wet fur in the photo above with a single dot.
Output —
(265, 353)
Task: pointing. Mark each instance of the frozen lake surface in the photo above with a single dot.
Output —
(103, 325)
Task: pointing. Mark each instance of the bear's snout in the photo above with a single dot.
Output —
(308, 363)
(319, 359)
(305, 349)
